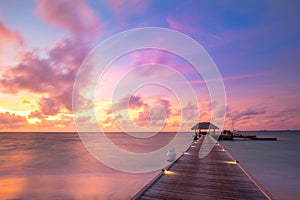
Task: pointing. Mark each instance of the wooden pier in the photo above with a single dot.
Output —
(217, 176)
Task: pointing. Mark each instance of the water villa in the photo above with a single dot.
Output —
(202, 128)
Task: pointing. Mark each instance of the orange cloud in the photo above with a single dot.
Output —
(36, 121)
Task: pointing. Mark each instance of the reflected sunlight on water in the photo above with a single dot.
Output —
(57, 166)
(11, 186)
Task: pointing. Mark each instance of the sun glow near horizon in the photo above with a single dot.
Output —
(255, 49)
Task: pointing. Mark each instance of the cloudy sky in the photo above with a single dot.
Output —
(255, 45)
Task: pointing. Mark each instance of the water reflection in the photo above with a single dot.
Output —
(56, 166)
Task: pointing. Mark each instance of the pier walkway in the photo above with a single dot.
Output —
(216, 176)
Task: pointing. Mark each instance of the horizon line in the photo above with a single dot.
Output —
(292, 130)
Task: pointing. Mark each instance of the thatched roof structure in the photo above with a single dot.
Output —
(204, 126)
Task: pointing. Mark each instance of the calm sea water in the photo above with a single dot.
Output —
(275, 165)
(57, 166)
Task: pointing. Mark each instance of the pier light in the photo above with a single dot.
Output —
(232, 162)
(167, 172)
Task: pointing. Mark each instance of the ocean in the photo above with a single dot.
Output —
(57, 166)
(275, 165)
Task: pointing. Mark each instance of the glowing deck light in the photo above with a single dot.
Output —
(186, 153)
(167, 172)
(231, 162)
(193, 146)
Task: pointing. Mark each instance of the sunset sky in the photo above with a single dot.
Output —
(255, 45)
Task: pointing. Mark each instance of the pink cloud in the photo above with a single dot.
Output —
(32, 74)
(232, 78)
(151, 56)
(136, 102)
(155, 56)
(8, 37)
(121, 104)
(245, 76)
(136, 5)
(166, 106)
(124, 9)
(53, 77)
(151, 113)
(173, 24)
(143, 118)
(154, 115)
(83, 120)
(245, 114)
(190, 111)
(49, 106)
(185, 25)
(129, 101)
(74, 16)
(11, 121)
(36, 114)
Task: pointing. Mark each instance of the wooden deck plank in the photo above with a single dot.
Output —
(207, 178)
